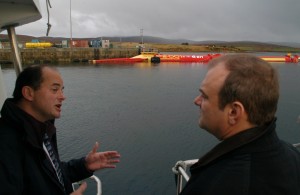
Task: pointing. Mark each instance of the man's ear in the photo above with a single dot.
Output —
(235, 112)
(28, 93)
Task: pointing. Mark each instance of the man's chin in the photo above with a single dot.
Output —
(56, 116)
(200, 123)
(202, 126)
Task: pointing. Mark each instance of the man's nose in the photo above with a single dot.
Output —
(62, 96)
(197, 100)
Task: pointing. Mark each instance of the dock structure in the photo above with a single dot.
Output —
(113, 55)
(65, 55)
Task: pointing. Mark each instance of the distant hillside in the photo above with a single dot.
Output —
(295, 45)
(158, 40)
(247, 43)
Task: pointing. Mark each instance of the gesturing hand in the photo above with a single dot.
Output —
(100, 160)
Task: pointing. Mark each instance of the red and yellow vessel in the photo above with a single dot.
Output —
(186, 58)
(287, 58)
(155, 57)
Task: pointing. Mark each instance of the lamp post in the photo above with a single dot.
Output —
(141, 31)
(70, 23)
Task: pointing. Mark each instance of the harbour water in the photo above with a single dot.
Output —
(146, 112)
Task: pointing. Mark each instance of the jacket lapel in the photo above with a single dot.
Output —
(50, 172)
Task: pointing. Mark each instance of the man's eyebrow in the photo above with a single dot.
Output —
(58, 85)
(201, 91)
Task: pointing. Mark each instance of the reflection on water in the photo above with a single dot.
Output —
(146, 112)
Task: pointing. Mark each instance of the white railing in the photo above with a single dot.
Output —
(96, 179)
(180, 169)
(180, 172)
(297, 145)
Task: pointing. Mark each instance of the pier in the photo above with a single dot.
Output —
(65, 55)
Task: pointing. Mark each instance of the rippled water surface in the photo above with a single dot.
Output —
(146, 112)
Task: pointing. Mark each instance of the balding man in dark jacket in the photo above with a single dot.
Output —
(238, 101)
(29, 162)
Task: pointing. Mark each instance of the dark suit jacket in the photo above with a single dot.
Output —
(24, 166)
(254, 162)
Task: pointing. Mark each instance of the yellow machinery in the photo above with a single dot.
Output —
(38, 45)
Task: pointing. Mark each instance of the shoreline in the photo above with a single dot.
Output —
(54, 55)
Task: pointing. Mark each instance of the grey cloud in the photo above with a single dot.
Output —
(226, 20)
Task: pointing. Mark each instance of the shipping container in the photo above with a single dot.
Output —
(80, 43)
(5, 45)
(64, 43)
(95, 43)
(20, 45)
(35, 41)
(105, 43)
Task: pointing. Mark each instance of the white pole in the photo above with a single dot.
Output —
(15, 49)
(142, 36)
(70, 23)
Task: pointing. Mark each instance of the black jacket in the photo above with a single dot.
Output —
(254, 162)
(24, 166)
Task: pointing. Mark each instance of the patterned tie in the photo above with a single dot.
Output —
(53, 159)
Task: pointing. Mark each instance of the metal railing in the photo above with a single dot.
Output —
(180, 169)
(297, 145)
(180, 172)
(96, 179)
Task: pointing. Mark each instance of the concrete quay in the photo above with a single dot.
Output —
(65, 55)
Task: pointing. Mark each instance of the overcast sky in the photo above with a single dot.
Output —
(198, 20)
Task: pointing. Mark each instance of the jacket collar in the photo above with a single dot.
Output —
(33, 130)
(239, 140)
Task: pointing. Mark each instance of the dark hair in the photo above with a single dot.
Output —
(251, 81)
(30, 76)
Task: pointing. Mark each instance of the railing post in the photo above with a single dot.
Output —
(179, 184)
(15, 49)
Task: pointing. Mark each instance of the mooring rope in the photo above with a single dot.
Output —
(48, 24)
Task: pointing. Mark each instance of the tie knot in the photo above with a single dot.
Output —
(46, 137)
